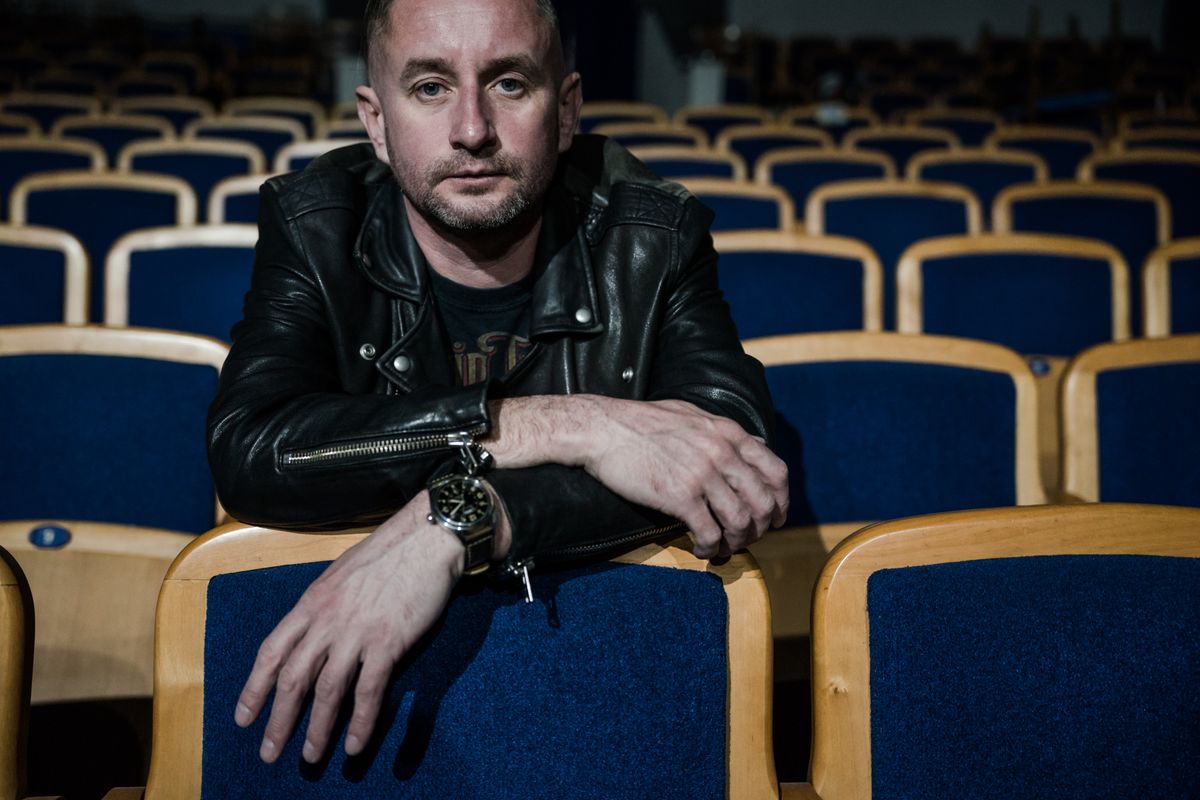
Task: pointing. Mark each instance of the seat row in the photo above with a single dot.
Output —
(874, 426)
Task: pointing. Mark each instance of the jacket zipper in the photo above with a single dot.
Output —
(387, 446)
(636, 537)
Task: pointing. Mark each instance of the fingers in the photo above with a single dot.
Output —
(368, 697)
(272, 655)
(328, 692)
(291, 688)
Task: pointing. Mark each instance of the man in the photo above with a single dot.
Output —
(623, 401)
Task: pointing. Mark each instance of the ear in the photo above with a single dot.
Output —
(370, 112)
(570, 98)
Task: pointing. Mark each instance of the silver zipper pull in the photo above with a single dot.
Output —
(475, 459)
(527, 582)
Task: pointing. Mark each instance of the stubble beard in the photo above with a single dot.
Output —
(422, 192)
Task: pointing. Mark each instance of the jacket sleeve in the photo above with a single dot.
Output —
(560, 512)
(289, 446)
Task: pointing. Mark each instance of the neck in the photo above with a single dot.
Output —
(481, 260)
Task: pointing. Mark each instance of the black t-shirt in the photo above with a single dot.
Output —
(488, 328)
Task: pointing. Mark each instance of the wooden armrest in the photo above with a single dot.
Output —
(798, 791)
(126, 793)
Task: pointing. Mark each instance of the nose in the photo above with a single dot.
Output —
(471, 128)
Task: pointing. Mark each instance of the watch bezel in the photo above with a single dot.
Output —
(485, 522)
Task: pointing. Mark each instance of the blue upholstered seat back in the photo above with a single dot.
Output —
(1148, 430)
(45, 112)
(178, 117)
(900, 148)
(111, 138)
(773, 293)
(713, 124)
(192, 289)
(98, 216)
(800, 178)
(1185, 143)
(736, 212)
(32, 285)
(984, 178)
(611, 684)
(1185, 295)
(306, 120)
(751, 148)
(15, 164)
(1036, 304)
(242, 206)
(1179, 181)
(970, 132)
(654, 138)
(1064, 676)
(889, 224)
(1129, 225)
(105, 438)
(1062, 156)
(202, 171)
(268, 140)
(872, 440)
(682, 167)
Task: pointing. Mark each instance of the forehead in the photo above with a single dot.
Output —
(463, 32)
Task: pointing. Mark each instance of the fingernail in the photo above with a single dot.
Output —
(241, 715)
(310, 752)
(267, 751)
(352, 745)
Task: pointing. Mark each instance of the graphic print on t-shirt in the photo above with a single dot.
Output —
(494, 356)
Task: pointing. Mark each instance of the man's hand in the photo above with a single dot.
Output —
(365, 611)
(705, 470)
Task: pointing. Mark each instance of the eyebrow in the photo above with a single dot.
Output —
(519, 63)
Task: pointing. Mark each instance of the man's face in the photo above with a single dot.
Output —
(468, 108)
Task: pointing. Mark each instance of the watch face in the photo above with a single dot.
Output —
(463, 502)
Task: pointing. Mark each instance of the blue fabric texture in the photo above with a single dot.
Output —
(873, 440)
(889, 224)
(201, 171)
(1062, 156)
(111, 137)
(46, 114)
(689, 168)
(179, 118)
(193, 289)
(269, 141)
(1185, 295)
(1131, 226)
(113, 440)
(1034, 304)
(741, 213)
(1168, 142)
(32, 285)
(837, 130)
(1047, 677)
(1148, 429)
(1179, 181)
(984, 178)
(751, 148)
(612, 684)
(773, 293)
(800, 178)
(713, 124)
(639, 139)
(16, 164)
(970, 132)
(98, 217)
(900, 148)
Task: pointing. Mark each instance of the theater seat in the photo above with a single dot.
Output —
(645, 676)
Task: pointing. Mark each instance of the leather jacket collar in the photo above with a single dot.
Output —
(564, 292)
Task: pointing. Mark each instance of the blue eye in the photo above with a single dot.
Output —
(510, 85)
(429, 89)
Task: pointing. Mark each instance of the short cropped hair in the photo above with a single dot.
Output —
(376, 15)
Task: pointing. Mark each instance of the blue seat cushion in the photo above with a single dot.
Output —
(871, 440)
(1048, 305)
(32, 285)
(773, 293)
(611, 684)
(1185, 295)
(193, 289)
(1064, 676)
(1148, 429)
(889, 224)
(107, 439)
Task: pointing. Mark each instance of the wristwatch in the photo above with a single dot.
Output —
(462, 504)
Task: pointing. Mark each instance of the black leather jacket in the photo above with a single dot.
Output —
(338, 396)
